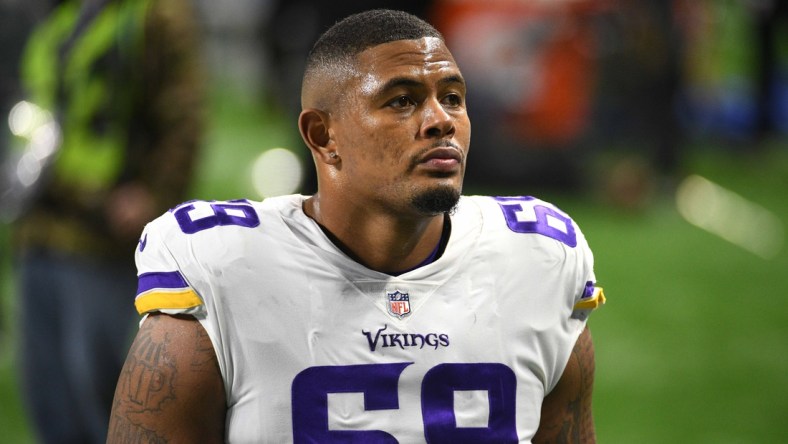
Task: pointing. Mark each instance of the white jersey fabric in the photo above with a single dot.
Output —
(314, 347)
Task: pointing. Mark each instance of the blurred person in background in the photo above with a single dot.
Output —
(637, 100)
(560, 82)
(536, 67)
(770, 19)
(123, 81)
(735, 65)
(17, 19)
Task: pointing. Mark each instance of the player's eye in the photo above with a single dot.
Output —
(402, 102)
(452, 100)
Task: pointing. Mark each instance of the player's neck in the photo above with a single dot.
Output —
(381, 242)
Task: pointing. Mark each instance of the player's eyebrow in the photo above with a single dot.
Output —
(452, 80)
(408, 82)
(397, 82)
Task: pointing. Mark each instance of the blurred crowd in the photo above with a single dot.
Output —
(553, 84)
(556, 83)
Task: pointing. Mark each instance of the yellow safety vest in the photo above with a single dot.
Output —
(88, 77)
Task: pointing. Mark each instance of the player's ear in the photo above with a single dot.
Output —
(314, 127)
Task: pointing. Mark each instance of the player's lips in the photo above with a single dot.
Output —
(442, 158)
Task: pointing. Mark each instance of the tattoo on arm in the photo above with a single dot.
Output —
(170, 388)
(579, 423)
(145, 385)
(566, 412)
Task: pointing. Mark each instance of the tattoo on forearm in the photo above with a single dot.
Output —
(145, 386)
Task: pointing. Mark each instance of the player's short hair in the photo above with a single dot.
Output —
(337, 48)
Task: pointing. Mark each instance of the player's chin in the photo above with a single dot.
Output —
(437, 199)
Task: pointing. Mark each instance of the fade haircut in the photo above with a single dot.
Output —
(335, 50)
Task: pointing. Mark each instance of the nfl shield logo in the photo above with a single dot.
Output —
(398, 303)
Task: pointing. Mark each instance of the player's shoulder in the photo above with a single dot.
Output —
(195, 216)
(496, 201)
(208, 220)
(524, 217)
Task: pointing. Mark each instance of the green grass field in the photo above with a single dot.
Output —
(692, 344)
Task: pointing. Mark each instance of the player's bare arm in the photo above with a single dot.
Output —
(566, 411)
(170, 388)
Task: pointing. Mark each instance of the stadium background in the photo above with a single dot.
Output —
(692, 344)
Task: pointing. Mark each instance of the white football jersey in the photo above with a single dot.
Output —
(314, 347)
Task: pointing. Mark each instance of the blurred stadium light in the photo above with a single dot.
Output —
(276, 172)
(21, 172)
(730, 216)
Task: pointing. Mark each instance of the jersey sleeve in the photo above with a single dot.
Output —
(591, 296)
(529, 215)
(580, 294)
(553, 267)
(162, 284)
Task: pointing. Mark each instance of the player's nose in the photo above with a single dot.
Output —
(437, 122)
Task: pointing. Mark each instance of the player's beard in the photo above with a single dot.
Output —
(436, 200)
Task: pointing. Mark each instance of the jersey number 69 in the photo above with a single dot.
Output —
(379, 385)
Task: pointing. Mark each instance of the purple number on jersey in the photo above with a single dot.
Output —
(437, 403)
(239, 213)
(379, 384)
(547, 222)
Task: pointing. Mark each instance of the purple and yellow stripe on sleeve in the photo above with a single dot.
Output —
(592, 298)
(164, 290)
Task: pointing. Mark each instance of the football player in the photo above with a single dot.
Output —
(384, 308)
